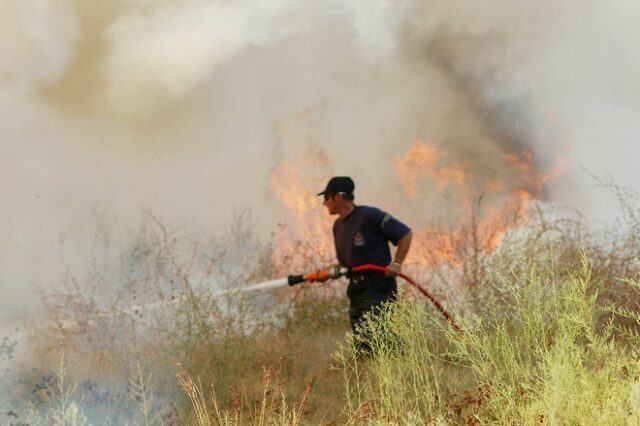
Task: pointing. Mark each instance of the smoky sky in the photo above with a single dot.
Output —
(185, 107)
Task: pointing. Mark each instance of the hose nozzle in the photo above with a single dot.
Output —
(332, 272)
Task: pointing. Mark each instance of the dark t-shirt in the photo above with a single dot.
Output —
(363, 236)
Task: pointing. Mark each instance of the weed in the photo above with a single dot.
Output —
(551, 331)
(272, 408)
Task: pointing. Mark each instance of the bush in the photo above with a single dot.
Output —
(533, 354)
(550, 324)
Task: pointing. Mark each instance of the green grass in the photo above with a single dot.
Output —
(535, 354)
(550, 337)
(542, 350)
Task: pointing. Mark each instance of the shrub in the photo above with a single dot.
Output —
(535, 353)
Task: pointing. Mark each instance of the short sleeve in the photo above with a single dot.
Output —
(388, 226)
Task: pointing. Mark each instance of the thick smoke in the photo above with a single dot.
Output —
(36, 44)
(185, 106)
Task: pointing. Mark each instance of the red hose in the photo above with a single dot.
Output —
(422, 290)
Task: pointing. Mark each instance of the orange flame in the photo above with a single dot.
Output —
(305, 235)
(507, 197)
(285, 183)
(419, 158)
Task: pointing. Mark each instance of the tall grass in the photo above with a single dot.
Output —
(272, 408)
(535, 354)
(122, 361)
(550, 336)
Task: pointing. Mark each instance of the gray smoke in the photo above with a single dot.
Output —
(185, 106)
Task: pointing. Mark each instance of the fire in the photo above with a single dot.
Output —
(477, 227)
(286, 185)
(419, 158)
(304, 239)
(423, 159)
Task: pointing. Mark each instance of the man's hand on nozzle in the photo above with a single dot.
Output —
(394, 269)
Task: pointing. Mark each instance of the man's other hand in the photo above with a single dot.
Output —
(394, 269)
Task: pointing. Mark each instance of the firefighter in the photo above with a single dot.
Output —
(362, 235)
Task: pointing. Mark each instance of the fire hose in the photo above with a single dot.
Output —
(337, 272)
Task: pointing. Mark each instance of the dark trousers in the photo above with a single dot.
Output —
(367, 292)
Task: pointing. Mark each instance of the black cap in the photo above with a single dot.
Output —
(339, 184)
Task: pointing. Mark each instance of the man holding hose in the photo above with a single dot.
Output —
(362, 235)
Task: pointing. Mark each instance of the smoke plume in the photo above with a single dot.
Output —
(186, 107)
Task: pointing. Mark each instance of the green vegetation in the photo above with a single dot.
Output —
(550, 337)
(532, 355)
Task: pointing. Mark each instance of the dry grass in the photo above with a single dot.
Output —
(272, 408)
(123, 364)
(535, 355)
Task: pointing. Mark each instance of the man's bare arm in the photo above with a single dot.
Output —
(401, 252)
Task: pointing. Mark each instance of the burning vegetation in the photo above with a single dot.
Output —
(163, 98)
(531, 305)
(533, 311)
(473, 201)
